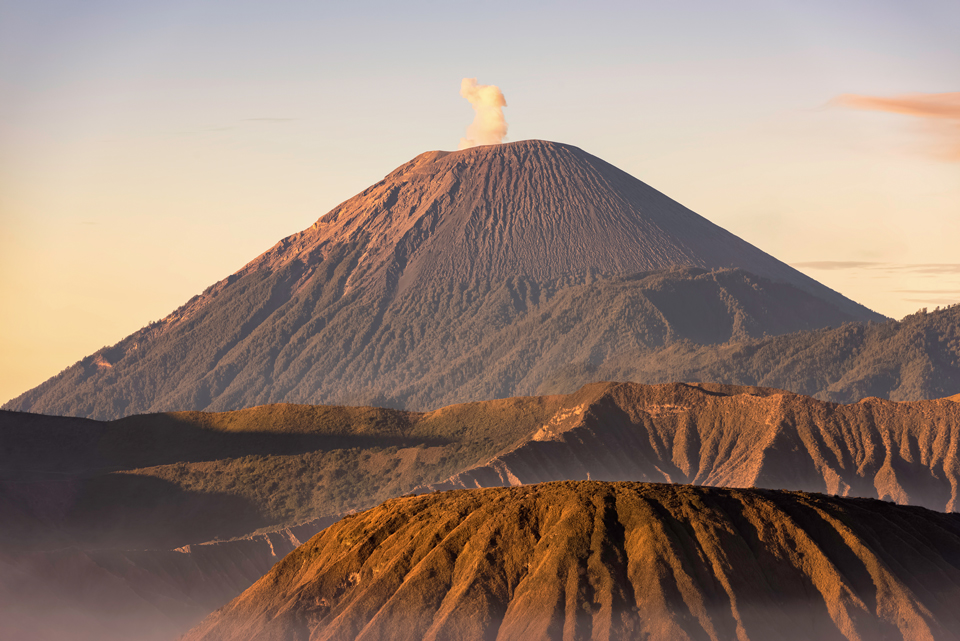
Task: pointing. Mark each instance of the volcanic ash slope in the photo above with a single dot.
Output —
(460, 276)
(724, 435)
(605, 561)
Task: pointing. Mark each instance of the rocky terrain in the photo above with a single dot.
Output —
(180, 512)
(477, 274)
(595, 560)
(720, 435)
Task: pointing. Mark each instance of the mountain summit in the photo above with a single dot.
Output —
(461, 275)
(534, 209)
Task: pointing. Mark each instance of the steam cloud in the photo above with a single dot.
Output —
(488, 127)
(940, 111)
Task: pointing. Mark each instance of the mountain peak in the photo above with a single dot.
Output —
(534, 209)
(457, 277)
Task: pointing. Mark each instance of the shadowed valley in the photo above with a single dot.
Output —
(139, 527)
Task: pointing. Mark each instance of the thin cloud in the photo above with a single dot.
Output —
(930, 268)
(836, 264)
(927, 291)
(269, 119)
(939, 112)
(921, 105)
(934, 301)
(915, 268)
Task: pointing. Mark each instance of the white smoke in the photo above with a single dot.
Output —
(488, 127)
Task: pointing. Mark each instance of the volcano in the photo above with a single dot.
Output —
(605, 561)
(460, 276)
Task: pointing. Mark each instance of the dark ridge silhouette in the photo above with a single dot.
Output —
(123, 483)
(611, 561)
(90, 511)
(413, 294)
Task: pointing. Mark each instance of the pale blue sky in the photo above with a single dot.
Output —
(150, 149)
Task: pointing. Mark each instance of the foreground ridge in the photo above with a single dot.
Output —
(595, 560)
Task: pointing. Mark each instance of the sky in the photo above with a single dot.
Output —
(150, 149)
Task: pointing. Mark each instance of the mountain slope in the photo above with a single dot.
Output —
(90, 509)
(739, 437)
(168, 480)
(445, 258)
(609, 561)
(915, 358)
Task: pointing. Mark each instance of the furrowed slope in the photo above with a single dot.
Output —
(610, 561)
(91, 509)
(741, 437)
(448, 255)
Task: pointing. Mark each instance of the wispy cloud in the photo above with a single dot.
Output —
(940, 113)
(835, 264)
(922, 105)
(915, 268)
(207, 130)
(928, 291)
(935, 301)
(933, 268)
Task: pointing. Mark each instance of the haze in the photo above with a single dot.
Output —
(147, 150)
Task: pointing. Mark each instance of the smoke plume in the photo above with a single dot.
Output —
(940, 113)
(488, 127)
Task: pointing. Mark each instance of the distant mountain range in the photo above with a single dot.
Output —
(608, 561)
(488, 272)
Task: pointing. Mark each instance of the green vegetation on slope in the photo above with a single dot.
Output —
(915, 358)
(293, 337)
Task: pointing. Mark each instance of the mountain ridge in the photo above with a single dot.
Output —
(94, 508)
(730, 436)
